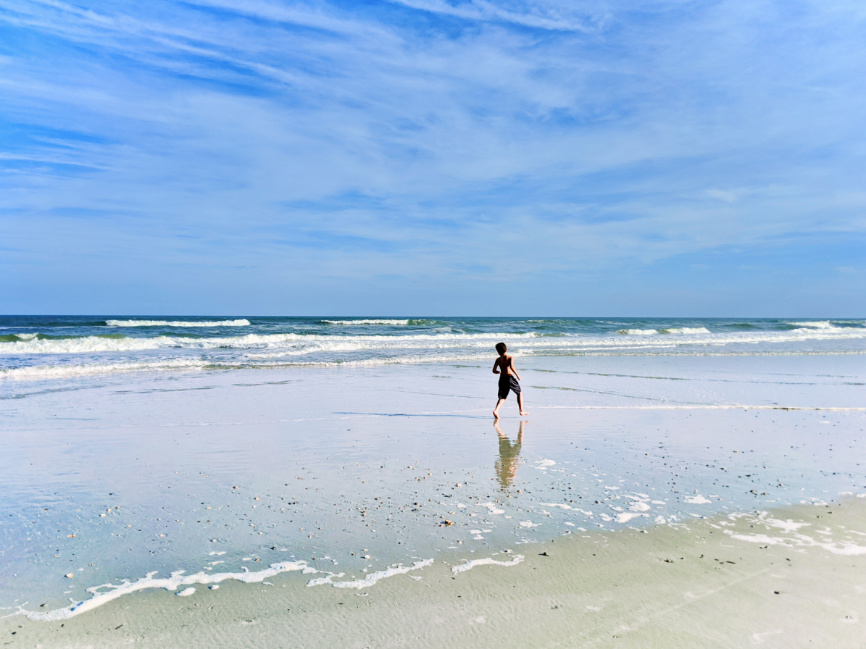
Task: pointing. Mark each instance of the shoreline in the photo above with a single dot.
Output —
(350, 478)
(785, 577)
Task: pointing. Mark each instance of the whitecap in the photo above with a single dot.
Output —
(685, 330)
(815, 324)
(242, 322)
(368, 321)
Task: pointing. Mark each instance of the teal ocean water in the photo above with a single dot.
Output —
(50, 348)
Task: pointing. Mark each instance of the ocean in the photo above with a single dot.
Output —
(53, 348)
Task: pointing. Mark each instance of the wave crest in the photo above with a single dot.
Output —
(370, 321)
(241, 322)
(115, 343)
(685, 330)
(815, 324)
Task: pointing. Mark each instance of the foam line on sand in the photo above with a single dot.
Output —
(150, 581)
(474, 563)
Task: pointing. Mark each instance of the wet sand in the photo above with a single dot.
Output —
(630, 493)
(788, 578)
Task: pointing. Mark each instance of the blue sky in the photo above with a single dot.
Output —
(453, 157)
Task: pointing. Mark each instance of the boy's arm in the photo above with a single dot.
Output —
(496, 366)
(514, 369)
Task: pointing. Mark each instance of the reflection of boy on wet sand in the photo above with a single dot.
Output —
(509, 455)
(508, 379)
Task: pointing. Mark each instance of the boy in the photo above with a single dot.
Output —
(504, 366)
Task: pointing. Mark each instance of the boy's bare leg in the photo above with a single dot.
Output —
(498, 406)
(520, 404)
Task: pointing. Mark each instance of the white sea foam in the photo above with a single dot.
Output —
(427, 343)
(817, 324)
(669, 330)
(326, 580)
(625, 517)
(685, 330)
(95, 344)
(569, 507)
(474, 563)
(697, 500)
(371, 321)
(242, 322)
(46, 372)
(372, 578)
(799, 540)
(786, 525)
(85, 345)
(107, 592)
(109, 354)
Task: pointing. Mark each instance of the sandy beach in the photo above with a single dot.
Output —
(710, 501)
(790, 578)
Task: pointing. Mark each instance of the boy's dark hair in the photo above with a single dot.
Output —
(501, 348)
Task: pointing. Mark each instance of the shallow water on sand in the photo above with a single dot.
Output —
(355, 472)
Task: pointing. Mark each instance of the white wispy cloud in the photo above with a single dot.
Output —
(591, 139)
(562, 16)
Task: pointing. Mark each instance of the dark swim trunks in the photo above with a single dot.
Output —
(508, 382)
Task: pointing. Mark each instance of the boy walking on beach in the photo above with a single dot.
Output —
(504, 366)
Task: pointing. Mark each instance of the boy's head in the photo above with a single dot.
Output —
(501, 348)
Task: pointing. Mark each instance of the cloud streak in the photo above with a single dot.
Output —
(545, 16)
(531, 143)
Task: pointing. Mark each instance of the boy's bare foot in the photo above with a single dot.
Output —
(496, 414)
(523, 413)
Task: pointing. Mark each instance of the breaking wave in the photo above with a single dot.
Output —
(32, 353)
(97, 344)
(815, 324)
(372, 321)
(242, 322)
(685, 330)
